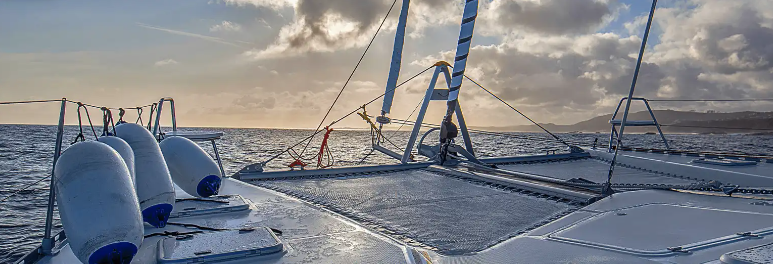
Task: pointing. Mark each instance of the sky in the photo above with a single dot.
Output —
(281, 63)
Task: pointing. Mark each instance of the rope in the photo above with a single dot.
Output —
(87, 117)
(152, 110)
(32, 101)
(709, 127)
(352, 74)
(394, 133)
(710, 100)
(111, 108)
(80, 136)
(347, 115)
(139, 116)
(121, 113)
(324, 151)
(24, 188)
(107, 120)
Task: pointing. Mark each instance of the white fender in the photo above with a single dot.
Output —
(192, 169)
(126, 152)
(155, 190)
(97, 204)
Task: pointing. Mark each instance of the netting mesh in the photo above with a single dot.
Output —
(427, 209)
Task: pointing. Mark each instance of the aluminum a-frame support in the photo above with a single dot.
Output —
(434, 94)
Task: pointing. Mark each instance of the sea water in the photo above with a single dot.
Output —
(26, 156)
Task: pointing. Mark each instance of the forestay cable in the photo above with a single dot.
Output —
(352, 74)
(345, 116)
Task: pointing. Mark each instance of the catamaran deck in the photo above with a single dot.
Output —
(459, 215)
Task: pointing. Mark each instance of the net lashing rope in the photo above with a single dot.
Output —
(107, 121)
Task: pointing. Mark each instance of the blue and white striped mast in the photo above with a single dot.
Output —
(448, 130)
(394, 69)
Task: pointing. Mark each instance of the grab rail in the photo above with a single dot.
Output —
(654, 122)
(157, 127)
(48, 241)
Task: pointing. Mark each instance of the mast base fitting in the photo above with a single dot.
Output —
(448, 130)
(383, 120)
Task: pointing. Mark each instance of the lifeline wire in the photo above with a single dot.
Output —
(24, 188)
(710, 100)
(32, 101)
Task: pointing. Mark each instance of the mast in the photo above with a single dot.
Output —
(448, 130)
(394, 69)
(607, 190)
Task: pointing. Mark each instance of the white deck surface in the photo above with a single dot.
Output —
(629, 227)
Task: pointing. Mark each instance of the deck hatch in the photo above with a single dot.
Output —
(202, 206)
(219, 246)
(662, 229)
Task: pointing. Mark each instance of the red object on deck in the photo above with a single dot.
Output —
(296, 163)
(323, 149)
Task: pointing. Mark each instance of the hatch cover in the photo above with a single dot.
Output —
(187, 207)
(661, 229)
(218, 246)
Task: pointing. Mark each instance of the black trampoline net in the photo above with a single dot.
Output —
(426, 209)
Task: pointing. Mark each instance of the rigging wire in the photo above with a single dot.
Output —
(352, 74)
(394, 133)
(25, 188)
(347, 115)
(492, 133)
(710, 100)
(710, 127)
(608, 186)
(519, 112)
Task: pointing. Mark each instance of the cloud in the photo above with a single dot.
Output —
(166, 62)
(272, 4)
(637, 25)
(226, 26)
(712, 49)
(324, 26)
(334, 25)
(194, 35)
(551, 16)
(717, 49)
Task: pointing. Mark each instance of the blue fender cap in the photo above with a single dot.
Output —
(157, 215)
(208, 186)
(115, 253)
